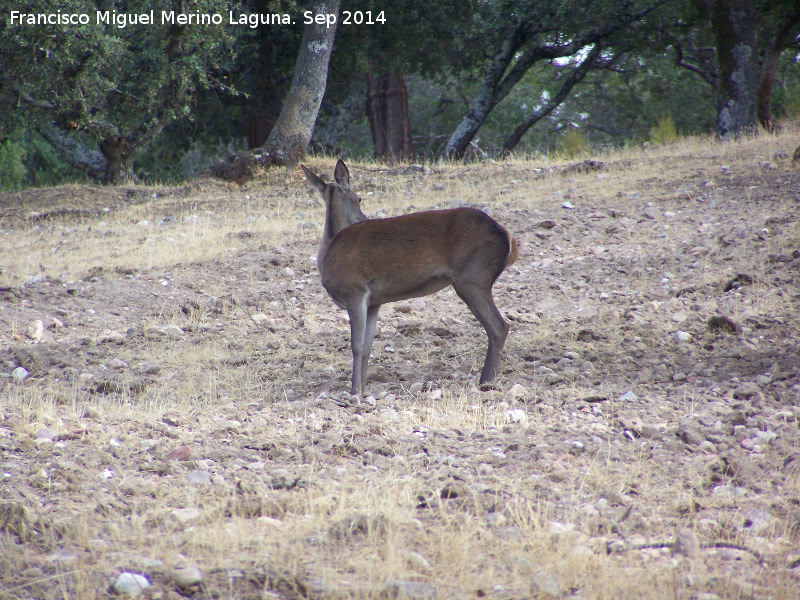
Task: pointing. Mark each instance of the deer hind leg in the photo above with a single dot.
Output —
(358, 313)
(478, 296)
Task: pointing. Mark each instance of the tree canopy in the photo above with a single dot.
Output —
(117, 97)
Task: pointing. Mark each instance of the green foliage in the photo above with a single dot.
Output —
(664, 131)
(12, 169)
(106, 82)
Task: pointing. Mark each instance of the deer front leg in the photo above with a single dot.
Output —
(358, 328)
(369, 336)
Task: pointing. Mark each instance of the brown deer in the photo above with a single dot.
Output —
(365, 263)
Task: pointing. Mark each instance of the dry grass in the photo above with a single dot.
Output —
(317, 501)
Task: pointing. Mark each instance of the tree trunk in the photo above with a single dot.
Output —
(289, 138)
(577, 74)
(91, 162)
(387, 113)
(257, 131)
(119, 160)
(486, 99)
(768, 70)
(734, 26)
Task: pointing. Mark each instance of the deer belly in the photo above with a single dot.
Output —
(392, 290)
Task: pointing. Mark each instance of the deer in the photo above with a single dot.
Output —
(365, 263)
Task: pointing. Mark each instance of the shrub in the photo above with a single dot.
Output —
(664, 131)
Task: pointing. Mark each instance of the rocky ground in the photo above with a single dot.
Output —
(173, 421)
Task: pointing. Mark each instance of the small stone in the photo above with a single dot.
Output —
(409, 590)
(35, 330)
(757, 521)
(547, 584)
(679, 317)
(748, 444)
(44, 434)
(173, 331)
(131, 584)
(187, 577)
(417, 560)
(288, 272)
(496, 519)
(517, 415)
(567, 205)
(19, 374)
(628, 396)
(182, 453)
(32, 573)
(517, 390)
(415, 387)
(184, 515)
(390, 415)
(683, 336)
(686, 543)
(707, 447)
(435, 394)
(150, 368)
(198, 478)
(117, 363)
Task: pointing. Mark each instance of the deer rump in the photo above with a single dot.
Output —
(415, 255)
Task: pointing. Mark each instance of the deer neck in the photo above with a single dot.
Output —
(337, 219)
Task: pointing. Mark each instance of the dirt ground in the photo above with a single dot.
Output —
(173, 414)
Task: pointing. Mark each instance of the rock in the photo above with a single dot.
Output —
(32, 573)
(19, 374)
(415, 387)
(435, 394)
(746, 390)
(131, 584)
(117, 363)
(150, 368)
(182, 453)
(172, 331)
(35, 330)
(496, 519)
(683, 336)
(690, 433)
(198, 478)
(409, 590)
(546, 584)
(517, 415)
(44, 435)
(417, 560)
(757, 521)
(186, 577)
(517, 390)
(679, 317)
(686, 543)
(184, 515)
(629, 395)
(288, 272)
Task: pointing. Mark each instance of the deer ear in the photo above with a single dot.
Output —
(341, 174)
(314, 180)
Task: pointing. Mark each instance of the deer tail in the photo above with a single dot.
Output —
(513, 250)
